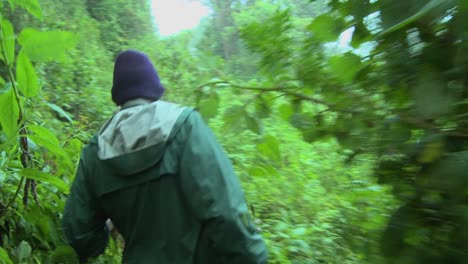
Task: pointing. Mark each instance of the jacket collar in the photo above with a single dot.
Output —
(136, 102)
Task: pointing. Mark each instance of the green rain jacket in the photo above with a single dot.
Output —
(157, 171)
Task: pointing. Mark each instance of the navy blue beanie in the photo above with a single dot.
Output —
(135, 77)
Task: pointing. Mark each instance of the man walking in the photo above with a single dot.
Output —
(157, 171)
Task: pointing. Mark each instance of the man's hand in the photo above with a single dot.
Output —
(115, 233)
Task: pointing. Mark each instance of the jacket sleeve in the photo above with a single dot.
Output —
(215, 196)
(83, 223)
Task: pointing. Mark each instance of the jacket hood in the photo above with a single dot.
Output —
(134, 139)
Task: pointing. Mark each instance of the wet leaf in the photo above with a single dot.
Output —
(9, 112)
(9, 39)
(270, 147)
(209, 105)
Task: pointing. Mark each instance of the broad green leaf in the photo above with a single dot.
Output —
(4, 258)
(300, 231)
(26, 76)
(60, 111)
(262, 108)
(209, 105)
(64, 254)
(345, 140)
(431, 152)
(49, 144)
(233, 118)
(396, 133)
(12, 5)
(34, 174)
(42, 221)
(8, 36)
(253, 124)
(262, 171)
(303, 121)
(23, 251)
(326, 28)
(312, 134)
(345, 66)
(44, 133)
(360, 35)
(46, 46)
(431, 5)
(449, 174)
(74, 146)
(258, 171)
(32, 6)
(270, 148)
(431, 96)
(9, 112)
(286, 111)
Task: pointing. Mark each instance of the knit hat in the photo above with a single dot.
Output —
(135, 77)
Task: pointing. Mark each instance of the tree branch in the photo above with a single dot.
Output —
(429, 126)
(284, 90)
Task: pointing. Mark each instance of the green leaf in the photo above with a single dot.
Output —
(64, 254)
(345, 140)
(270, 148)
(449, 173)
(9, 112)
(32, 6)
(300, 231)
(326, 28)
(34, 174)
(360, 35)
(9, 40)
(431, 5)
(262, 108)
(262, 171)
(4, 258)
(286, 111)
(44, 133)
(253, 124)
(431, 96)
(431, 152)
(23, 251)
(345, 66)
(60, 111)
(12, 5)
(49, 144)
(396, 133)
(232, 117)
(46, 46)
(209, 106)
(303, 121)
(312, 134)
(26, 76)
(54, 148)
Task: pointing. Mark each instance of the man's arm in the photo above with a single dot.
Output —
(215, 196)
(83, 224)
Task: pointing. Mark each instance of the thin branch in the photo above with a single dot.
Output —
(425, 125)
(332, 107)
(284, 90)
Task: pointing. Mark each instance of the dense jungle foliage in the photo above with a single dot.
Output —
(348, 151)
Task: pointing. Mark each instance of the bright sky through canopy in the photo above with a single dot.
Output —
(173, 16)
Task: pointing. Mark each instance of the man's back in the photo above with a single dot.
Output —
(158, 172)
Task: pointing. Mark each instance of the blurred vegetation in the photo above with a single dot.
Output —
(345, 119)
